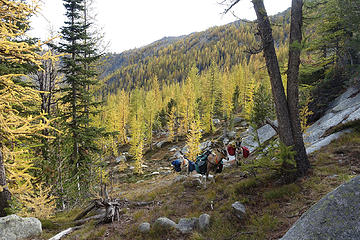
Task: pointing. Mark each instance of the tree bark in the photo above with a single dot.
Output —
(5, 195)
(302, 162)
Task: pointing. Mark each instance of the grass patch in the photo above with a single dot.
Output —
(263, 225)
(49, 225)
(284, 191)
(247, 185)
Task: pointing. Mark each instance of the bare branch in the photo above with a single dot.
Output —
(231, 6)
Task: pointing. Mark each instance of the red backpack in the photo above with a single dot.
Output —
(231, 150)
(246, 152)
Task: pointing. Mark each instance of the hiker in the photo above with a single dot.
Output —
(241, 151)
(231, 150)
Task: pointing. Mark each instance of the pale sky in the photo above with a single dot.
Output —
(129, 24)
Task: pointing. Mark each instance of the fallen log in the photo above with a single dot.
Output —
(113, 210)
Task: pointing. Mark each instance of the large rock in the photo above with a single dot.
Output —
(239, 210)
(164, 223)
(335, 216)
(204, 221)
(264, 133)
(187, 225)
(14, 227)
(325, 141)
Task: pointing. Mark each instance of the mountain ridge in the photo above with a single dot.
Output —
(169, 58)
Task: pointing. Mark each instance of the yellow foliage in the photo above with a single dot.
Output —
(39, 203)
(304, 113)
(16, 99)
(193, 139)
(17, 164)
(249, 103)
(171, 124)
(137, 141)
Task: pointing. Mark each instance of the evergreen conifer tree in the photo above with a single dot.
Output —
(79, 77)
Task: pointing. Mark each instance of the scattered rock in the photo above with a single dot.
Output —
(238, 120)
(180, 178)
(204, 221)
(164, 223)
(232, 134)
(335, 216)
(239, 210)
(144, 227)
(120, 159)
(204, 145)
(160, 144)
(216, 121)
(166, 172)
(187, 225)
(13, 227)
(192, 182)
(164, 168)
(185, 149)
(174, 149)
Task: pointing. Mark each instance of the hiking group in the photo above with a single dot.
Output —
(212, 158)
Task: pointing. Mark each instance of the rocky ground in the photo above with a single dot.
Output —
(271, 208)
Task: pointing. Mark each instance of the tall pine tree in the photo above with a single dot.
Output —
(79, 78)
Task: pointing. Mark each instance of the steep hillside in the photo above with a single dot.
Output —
(171, 57)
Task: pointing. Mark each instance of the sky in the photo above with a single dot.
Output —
(128, 24)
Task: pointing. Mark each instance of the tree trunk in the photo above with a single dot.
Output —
(5, 195)
(302, 162)
(272, 65)
(287, 109)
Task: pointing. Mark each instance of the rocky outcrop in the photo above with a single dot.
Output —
(335, 216)
(344, 109)
(14, 227)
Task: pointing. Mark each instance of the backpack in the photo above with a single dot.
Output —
(201, 162)
(191, 166)
(231, 150)
(177, 165)
(246, 152)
